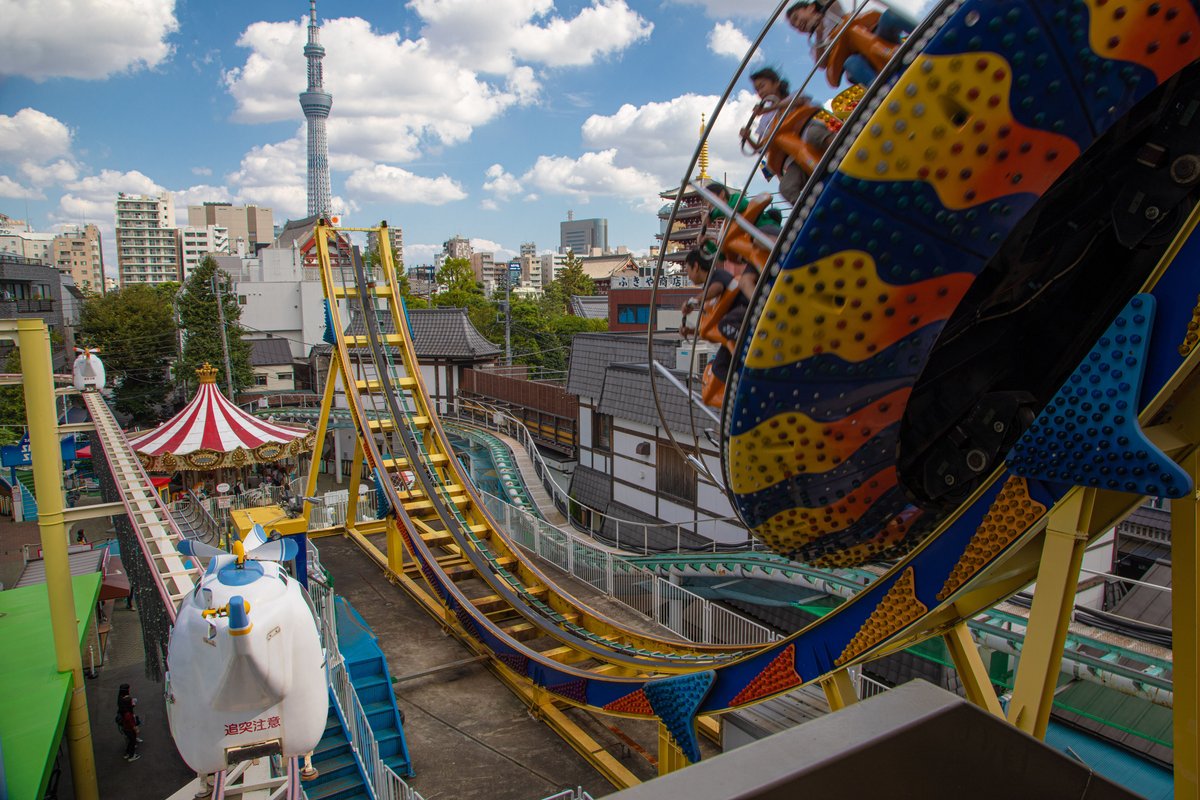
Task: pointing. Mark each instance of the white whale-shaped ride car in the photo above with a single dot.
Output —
(87, 373)
(245, 668)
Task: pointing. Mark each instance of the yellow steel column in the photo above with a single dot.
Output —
(839, 689)
(395, 545)
(42, 415)
(314, 468)
(670, 757)
(971, 671)
(352, 487)
(1185, 612)
(1053, 599)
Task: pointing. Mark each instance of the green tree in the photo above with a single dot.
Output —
(571, 281)
(201, 325)
(135, 330)
(12, 402)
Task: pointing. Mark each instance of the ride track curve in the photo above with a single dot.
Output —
(1042, 86)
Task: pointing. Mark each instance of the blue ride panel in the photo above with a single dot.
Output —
(1088, 435)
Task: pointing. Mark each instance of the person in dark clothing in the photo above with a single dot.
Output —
(128, 721)
(699, 268)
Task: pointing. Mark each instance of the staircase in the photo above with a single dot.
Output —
(340, 776)
(372, 682)
(29, 505)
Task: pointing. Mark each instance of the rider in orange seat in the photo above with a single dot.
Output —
(821, 19)
(722, 309)
(794, 117)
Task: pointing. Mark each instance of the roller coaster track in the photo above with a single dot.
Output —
(157, 534)
(966, 559)
(464, 557)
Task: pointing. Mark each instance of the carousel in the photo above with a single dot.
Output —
(213, 441)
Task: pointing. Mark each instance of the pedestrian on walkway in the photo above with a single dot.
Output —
(128, 721)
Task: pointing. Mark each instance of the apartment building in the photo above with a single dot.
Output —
(196, 243)
(397, 237)
(249, 226)
(77, 252)
(147, 239)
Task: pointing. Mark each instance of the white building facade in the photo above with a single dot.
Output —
(147, 239)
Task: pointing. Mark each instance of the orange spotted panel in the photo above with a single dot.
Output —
(1156, 35)
(793, 443)
(898, 609)
(780, 675)
(796, 527)
(948, 122)
(1011, 514)
(840, 305)
(633, 703)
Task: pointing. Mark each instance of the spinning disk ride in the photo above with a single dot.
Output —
(974, 251)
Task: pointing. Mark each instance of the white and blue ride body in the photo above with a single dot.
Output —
(245, 667)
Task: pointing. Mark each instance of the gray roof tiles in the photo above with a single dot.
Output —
(592, 353)
(269, 352)
(436, 333)
(627, 395)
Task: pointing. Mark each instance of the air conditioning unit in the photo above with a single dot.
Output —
(705, 351)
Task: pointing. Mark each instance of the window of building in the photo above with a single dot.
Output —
(602, 432)
(260, 380)
(283, 376)
(676, 478)
(633, 315)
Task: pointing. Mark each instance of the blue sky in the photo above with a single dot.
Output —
(484, 118)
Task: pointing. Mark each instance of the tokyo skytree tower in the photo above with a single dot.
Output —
(316, 103)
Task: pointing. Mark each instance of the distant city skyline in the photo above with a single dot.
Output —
(483, 118)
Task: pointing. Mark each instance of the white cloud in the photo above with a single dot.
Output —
(58, 172)
(501, 183)
(420, 253)
(593, 174)
(499, 252)
(31, 135)
(426, 100)
(88, 39)
(395, 185)
(10, 188)
(202, 171)
(487, 204)
(659, 138)
(726, 40)
(273, 175)
(492, 35)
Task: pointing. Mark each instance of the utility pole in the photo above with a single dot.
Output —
(216, 287)
(507, 316)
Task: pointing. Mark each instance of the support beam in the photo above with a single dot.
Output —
(81, 513)
(314, 466)
(670, 757)
(36, 369)
(1185, 613)
(839, 689)
(971, 672)
(1046, 635)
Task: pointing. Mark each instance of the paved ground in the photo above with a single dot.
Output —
(467, 734)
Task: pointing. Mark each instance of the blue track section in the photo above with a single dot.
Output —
(373, 684)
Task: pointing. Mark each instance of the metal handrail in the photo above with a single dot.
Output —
(683, 612)
(564, 502)
(382, 781)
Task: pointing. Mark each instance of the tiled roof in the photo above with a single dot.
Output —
(437, 333)
(591, 487)
(268, 352)
(590, 307)
(592, 353)
(601, 267)
(296, 231)
(627, 395)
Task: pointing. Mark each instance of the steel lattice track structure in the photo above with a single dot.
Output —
(979, 122)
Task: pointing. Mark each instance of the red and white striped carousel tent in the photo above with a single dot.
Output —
(212, 433)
